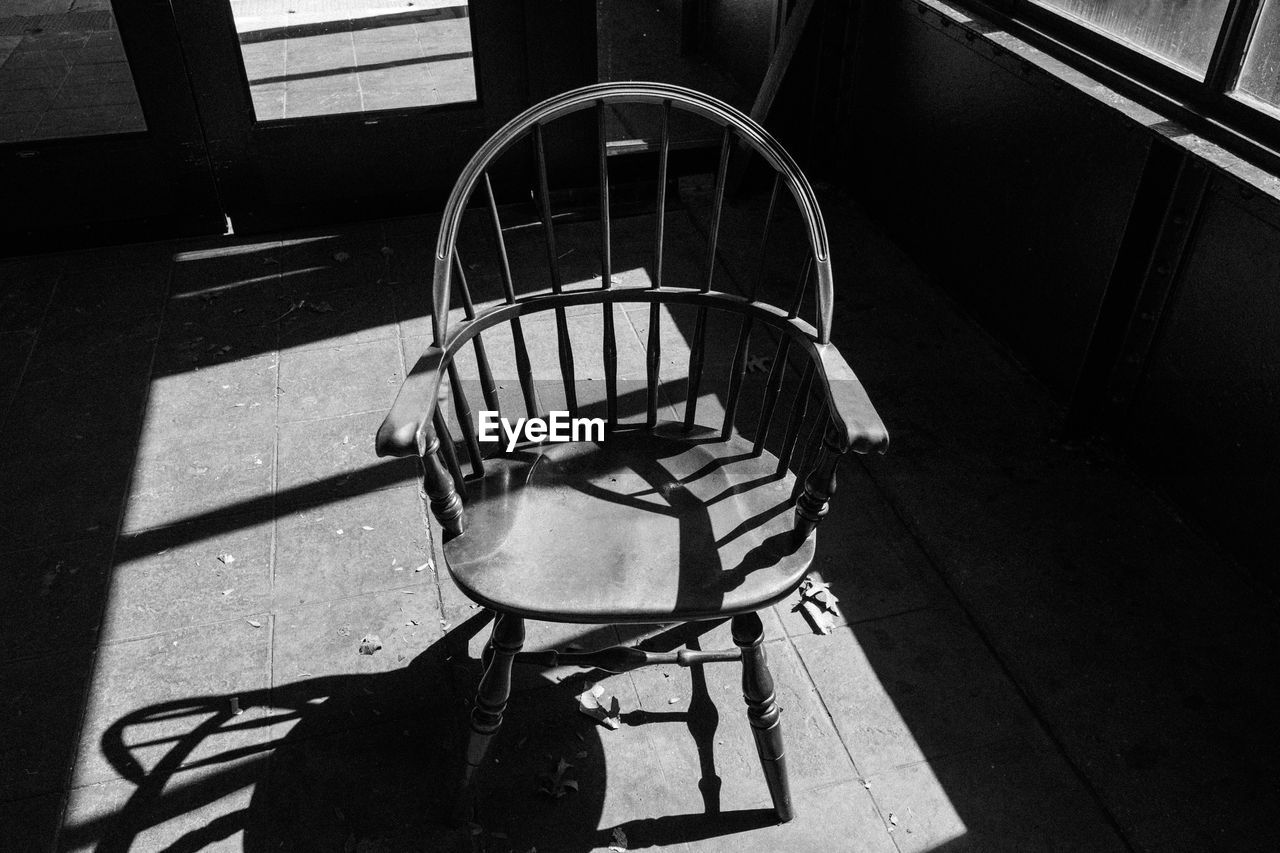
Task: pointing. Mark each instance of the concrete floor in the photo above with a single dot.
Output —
(63, 72)
(1034, 653)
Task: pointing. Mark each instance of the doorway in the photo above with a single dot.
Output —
(118, 119)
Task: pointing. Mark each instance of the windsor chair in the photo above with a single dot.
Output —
(664, 521)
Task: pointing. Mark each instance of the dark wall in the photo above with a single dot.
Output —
(1138, 280)
(738, 35)
(1017, 195)
(1206, 414)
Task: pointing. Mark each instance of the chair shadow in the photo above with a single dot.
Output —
(367, 762)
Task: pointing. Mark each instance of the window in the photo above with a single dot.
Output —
(1212, 64)
(1181, 32)
(1260, 78)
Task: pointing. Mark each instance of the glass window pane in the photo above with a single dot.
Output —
(63, 72)
(324, 57)
(1181, 32)
(1260, 76)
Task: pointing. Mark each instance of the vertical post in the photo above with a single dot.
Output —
(819, 487)
(762, 710)
(449, 455)
(606, 276)
(491, 701)
(446, 504)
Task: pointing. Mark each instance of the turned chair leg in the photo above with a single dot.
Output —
(491, 700)
(762, 710)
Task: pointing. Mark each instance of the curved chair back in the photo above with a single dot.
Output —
(416, 423)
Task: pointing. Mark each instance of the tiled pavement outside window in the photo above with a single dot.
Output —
(324, 57)
(63, 72)
(1034, 652)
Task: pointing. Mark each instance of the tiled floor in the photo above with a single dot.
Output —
(63, 72)
(1034, 652)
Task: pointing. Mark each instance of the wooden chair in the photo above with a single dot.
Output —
(661, 522)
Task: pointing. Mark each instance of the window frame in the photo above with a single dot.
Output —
(1210, 107)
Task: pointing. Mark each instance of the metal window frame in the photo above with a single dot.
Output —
(1209, 107)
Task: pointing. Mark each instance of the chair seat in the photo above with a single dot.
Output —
(645, 527)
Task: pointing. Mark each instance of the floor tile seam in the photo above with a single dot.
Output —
(62, 82)
(352, 344)
(826, 708)
(355, 59)
(644, 345)
(635, 692)
(422, 510)
(403, 588)
(122, 512)
(320, 418)
(271, 610)
(960, 752)
(1040, 717)
(35, 341)
(284, 72)
(193, 626)
(275, 511)
(320, 345)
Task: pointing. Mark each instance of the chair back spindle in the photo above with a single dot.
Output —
(698, 346)
(653, 352)
(564, 342)
(610, 344)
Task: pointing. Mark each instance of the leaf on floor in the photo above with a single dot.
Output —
(555, 785)
(226, 559)
(369, 644)
(589, 703)
(818, 606)
(619, 844)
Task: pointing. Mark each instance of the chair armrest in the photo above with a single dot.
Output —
(859, 426)
(402, 431)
